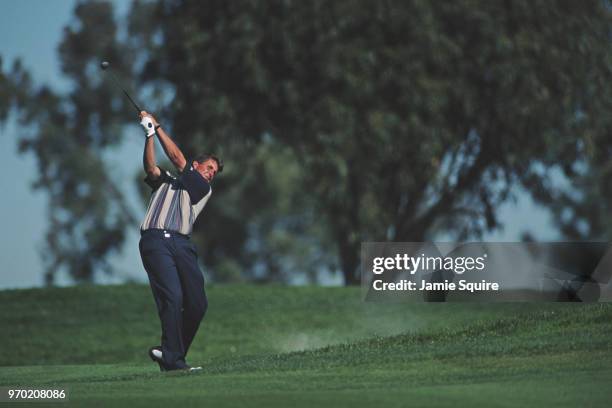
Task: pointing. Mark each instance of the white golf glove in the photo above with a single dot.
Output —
(148, 126)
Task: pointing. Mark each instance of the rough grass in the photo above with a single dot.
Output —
(280, 346)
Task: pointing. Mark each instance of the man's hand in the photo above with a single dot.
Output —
(148, 123)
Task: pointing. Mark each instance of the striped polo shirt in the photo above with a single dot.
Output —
(176, 201)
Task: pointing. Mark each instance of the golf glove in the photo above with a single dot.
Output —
(148, 126)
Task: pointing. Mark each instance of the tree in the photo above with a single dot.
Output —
(67, 133)
(396, 120)
(408, 118)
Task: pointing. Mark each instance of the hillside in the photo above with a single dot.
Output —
(274, 346)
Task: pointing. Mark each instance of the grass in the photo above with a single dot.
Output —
(305, 346)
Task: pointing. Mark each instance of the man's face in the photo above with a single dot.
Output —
(208, 169)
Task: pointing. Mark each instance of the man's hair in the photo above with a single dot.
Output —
(206, 156)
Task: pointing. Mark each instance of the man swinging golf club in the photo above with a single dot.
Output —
(167, 253)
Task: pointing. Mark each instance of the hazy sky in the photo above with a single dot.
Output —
(32, 30)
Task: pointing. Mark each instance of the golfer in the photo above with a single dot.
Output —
(167, 253)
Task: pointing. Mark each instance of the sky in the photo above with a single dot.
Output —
(31, 30)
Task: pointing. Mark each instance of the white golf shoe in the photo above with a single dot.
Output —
(156, 355)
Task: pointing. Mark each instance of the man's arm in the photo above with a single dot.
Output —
(148, 159)
(170, 148)
(172, 151)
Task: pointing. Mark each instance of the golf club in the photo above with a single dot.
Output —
(105, 65)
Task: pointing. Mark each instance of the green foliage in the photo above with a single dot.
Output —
(408, 118)
(6, 92)
(340, 122)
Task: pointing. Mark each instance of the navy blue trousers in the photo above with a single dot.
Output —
(171, 262)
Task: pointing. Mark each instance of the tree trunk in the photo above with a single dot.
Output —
(349, 261)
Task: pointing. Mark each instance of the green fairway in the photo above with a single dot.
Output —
(308, 346)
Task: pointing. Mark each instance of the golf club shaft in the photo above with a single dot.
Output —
(134, 104)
